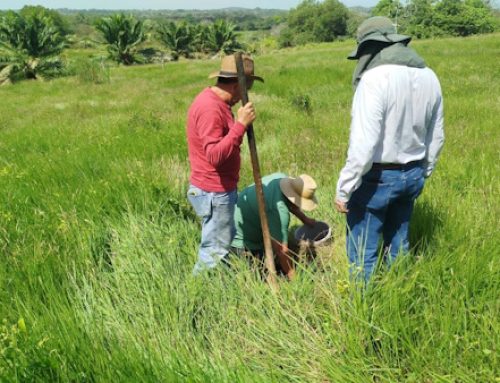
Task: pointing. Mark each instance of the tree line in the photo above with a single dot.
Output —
(124, 33)
(426, 18)
(244, 19)
(32, 39)
(329, 20)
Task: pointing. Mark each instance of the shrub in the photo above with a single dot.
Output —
(178, 38)
(314, 21)
(92, 70)
(122, 34)
(29, 46)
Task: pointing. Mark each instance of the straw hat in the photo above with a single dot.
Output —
(300, 191)
(377, 28)
(228, 68)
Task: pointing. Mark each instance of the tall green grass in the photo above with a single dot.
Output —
(98, 240)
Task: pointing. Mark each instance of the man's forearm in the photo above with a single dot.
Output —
(295, 210)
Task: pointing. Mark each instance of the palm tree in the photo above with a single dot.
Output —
(178, 38)
(29, 46)
(122, 34)
(201, 39)
(222, 37)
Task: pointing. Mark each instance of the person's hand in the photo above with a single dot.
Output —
(246, 114)
(291, 275)
(341, 206)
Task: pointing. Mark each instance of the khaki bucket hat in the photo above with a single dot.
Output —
(377, 28)
(300, 191)
(228, 68)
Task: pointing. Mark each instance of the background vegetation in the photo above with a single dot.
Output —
(98, 241)
(32, 39)
(30, 42)
(424, 18)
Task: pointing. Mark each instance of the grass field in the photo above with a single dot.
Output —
(98, 240)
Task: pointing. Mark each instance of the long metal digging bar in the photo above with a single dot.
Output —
(269, 259)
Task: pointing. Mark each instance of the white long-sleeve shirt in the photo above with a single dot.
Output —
(397, 117)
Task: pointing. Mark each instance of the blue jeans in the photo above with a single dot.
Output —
(216, 211)
(382, 206)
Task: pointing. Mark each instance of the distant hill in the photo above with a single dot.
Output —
(365, 11)
(180, 12)
(243, 18)
(198, 14)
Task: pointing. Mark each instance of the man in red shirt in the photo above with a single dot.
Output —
(214, 140)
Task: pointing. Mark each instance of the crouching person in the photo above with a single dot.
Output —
(283, 195)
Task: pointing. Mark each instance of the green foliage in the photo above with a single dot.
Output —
(92, 70)
(29, 45)
(183, 32)
(286, 38)
(419, 20)
(388, 8)
(314, 21)
(332, 20)
(463, 17)
(201, 39)
(302, 102)
(222, 37)
(245, 19)
(122, 34)
(178, 38)
(151, 55)
(184, 39)
(59, 21)
(259, 42)
(20, 359)
(426, 18)
(353, 23)
(98, 239)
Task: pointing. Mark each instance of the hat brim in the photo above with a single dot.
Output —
(233, 75)
(303, 203)
(390, 38)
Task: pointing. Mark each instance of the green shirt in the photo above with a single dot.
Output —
(246, 214)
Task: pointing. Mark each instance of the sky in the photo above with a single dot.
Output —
(167, 4)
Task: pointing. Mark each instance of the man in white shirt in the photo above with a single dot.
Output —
(395, 139)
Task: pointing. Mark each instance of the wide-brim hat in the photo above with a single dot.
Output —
(377, 28)
(300, 191)
(228, 68)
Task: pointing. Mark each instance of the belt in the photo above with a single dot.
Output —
(389, 166)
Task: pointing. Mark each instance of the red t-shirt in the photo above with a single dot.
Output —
(214, 140)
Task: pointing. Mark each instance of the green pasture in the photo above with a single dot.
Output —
(98, 241)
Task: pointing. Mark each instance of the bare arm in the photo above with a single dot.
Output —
(296, 211)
